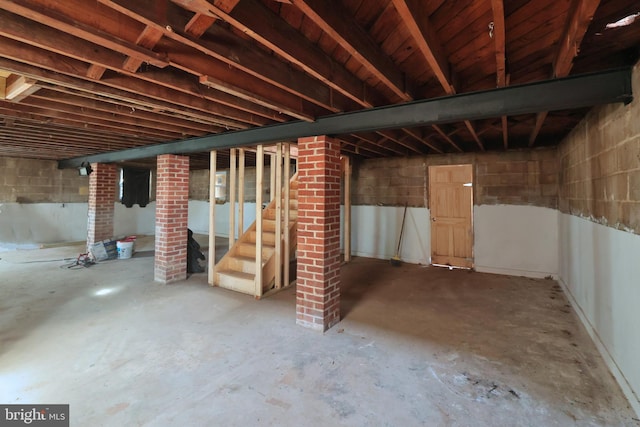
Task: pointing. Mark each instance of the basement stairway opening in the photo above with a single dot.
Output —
(237, 268)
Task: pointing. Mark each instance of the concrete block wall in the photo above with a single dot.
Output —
(518, 177)
(199, 184)
(600, 160)
(599, 233)
(40, 181)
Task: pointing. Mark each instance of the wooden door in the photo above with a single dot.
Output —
(451, 206)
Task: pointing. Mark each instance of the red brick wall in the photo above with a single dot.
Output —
(100, 216)
(172, 211)
(318, 276)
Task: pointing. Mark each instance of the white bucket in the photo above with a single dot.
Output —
(125, 249)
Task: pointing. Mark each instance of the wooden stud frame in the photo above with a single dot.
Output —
(232, 197)
(347, 209)
(287, 203)
(259, 189)
(212, 219)
(241, 193)
(278, 196)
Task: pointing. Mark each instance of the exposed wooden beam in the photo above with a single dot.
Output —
(579, 18)
(415, 16)
(447, 138)
(196, 110)
(196, 5)
(540, 118)
(505, 132)
(19, 87)
(35, 11)
(474, 135)
(25, 112)
(147, 39)
(498, 33)
(285, 106)
(333, 18)
(198, 25)
(258, 22)
(105, 119)
(155, 85)
(402, 140)
(499, 38)
(54, 38)
(87, 100)
(228, 48)
(416, 134)
(361, 144)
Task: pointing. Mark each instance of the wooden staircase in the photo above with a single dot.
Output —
(237, 269)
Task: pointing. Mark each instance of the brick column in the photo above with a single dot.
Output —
(172, 210)
(102, 184)
(318, 276)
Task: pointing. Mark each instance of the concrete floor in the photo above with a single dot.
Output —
(416, 346)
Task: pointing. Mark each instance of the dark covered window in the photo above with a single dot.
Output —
(135, 187)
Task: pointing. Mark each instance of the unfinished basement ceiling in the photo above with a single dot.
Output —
(83, 77)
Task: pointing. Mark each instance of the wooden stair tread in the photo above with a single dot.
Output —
(245, 258)
(236, 274)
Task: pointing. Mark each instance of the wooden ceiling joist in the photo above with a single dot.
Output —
(578, 19)
(332, 18)
(54, 37)
(257, 21)
(414, 14)
(230, 50)
(161, 71)
(161, 87)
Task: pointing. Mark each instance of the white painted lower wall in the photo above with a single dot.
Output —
(516, 240)
(600, 272)
(199, 217)
(375, 231)
(134, 220)
(27, 226)
(499, 230)
(30, 225)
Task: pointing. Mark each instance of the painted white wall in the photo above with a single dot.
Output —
(499, 235)
(134, 220)
(500, 231)
(375, 231)
(516, 240)
(199, 217)
(600, 272)
(25, 226)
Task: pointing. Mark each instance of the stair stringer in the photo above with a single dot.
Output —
(241, 282)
